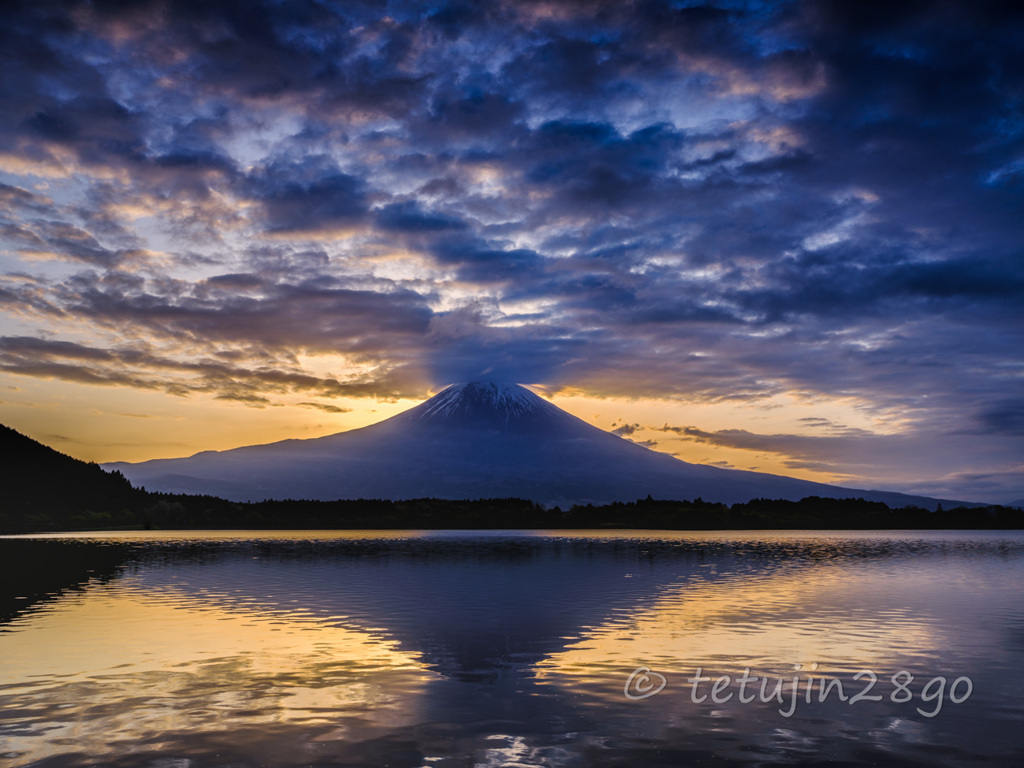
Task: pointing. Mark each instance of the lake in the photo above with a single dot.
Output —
(512, 648)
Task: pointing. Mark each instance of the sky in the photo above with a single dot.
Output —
(778, 236)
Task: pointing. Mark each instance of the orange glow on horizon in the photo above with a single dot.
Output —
(104, 424)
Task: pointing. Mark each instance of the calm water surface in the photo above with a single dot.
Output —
(408, 649)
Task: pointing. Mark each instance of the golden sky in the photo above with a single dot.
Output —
(105, 424)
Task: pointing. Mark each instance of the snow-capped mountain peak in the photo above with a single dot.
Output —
(486, 405)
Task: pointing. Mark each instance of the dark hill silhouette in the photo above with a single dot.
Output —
(41, 483)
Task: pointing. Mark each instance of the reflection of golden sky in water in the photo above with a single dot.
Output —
(767, 622)
(118, 665)
(199, 535)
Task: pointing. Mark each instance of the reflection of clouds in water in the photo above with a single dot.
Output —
(117, 666)
(768, 622)
(845, 617)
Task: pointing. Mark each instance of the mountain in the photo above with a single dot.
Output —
(477, 440)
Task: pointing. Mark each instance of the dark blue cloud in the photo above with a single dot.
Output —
(477, 262)
(410, 217)
(475, 113)
(309, 195)
(1003, 417)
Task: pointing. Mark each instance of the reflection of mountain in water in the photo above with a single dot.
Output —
(479, 607)
(473, 609)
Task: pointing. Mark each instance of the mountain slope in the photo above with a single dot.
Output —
(39, 481)
(472, 441)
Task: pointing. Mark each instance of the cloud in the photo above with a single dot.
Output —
(327, 407)
(716, 203)
(316, 315)
(915, 459)
(307, 196)
(1002, 417)
(848, 449)
(625, 430)
(477, 262)
(408, 216)
(141, 368)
